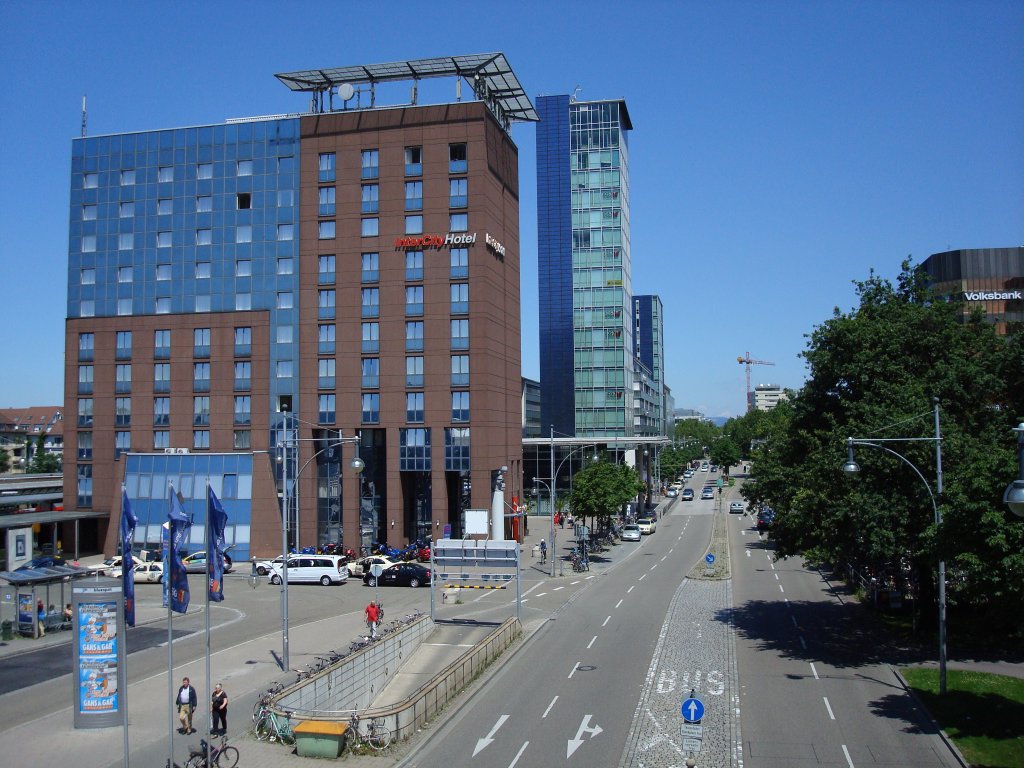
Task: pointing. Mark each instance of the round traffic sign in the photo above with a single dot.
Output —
(709, 558)
(693, 710)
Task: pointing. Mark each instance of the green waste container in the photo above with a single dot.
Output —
(7, 630)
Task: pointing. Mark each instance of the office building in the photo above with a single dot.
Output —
(991, 279)
(263, 300)
(649, 339)
(765, 397)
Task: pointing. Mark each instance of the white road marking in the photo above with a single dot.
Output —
(803, 643)
(575, 744)
(794, 621)
(772, 565)
(814, 671)
(829, 708)
(654, 566)
(549, 707)
(605, 623)
(642, 577)
(629, 590)
(619, 603)
(540, 594)
(748, 553)
(557, 588)
(664, 558)
(780, 589)
(573, 670)
(487, 740)
(574, 583)
(846, 752)
(519, 754)
(592, 640)
(588, 578)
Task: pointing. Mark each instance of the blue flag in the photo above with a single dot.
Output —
(180, 525)
(216, 521)
(128, 521)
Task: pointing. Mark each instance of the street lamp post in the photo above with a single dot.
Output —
(290, 442)
(851, 467)
(1013, 497)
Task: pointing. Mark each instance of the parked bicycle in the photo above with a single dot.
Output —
(274, 727)
(221, 755)
(375, 735)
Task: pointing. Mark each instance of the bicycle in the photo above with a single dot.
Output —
(377, 735)
(266, 697)
(222, 756)
(274, 727)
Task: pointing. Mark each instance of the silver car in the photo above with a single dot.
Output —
(631, 532)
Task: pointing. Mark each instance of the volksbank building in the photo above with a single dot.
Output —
(989, 278)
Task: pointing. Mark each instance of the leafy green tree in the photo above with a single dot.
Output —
(600, 490)
(5, 462)
(42, 462)
(725, 453)
(873, 374)
(756, 427)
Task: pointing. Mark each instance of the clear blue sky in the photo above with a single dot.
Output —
(781, 149)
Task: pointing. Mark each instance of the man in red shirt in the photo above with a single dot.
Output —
(372, 618)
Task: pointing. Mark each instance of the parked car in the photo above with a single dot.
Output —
(263, 567)
(400, 575)
(631, 532)
(360, 568)
(149, 573)
(43, 561)
(737, 507)
(646, 525)
(707, 493)
(672, 492)
(112, 566)
(196, 563)
(310, 569)
(687, 494)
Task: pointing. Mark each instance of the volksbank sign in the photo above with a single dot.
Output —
(993, 295)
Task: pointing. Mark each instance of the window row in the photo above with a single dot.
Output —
(415, 408)
(370, 226)
(370, 336)
(165, 239)
(242, 441)
(370, 301)
(162, 376)
(165, 173)
(369, 162)
(162, 412)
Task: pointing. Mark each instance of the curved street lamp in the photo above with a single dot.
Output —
(1013, 497)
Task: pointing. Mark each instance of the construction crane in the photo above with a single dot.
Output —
(746, 360)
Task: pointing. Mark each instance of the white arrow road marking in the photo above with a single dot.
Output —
(575, 744)
(487, 740)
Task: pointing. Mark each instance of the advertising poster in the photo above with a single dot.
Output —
(97, 657)
(26, 608)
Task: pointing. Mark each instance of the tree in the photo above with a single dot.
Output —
(5, 462)
(42, 462)
(873, 373)
(725, 453)
(600, 490)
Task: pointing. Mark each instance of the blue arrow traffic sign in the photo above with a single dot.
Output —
(709, 558)
(693, 710)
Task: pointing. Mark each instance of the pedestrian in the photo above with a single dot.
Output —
(569, 520)
(543, 551)
(219, 708)
(372, 618)
(41, 615)
(67, 612)
(187, 701)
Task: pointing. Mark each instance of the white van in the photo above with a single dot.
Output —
(310, 569)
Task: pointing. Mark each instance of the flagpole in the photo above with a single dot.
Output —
(168, 568)
(211, 553)
(123, 695)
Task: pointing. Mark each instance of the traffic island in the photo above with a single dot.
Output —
(715, 564)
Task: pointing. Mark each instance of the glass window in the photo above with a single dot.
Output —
(125, 241)
(243, 233)
(370, 163)
(162, 343)
(201, 439)
(460, 370)
(327, 201)
(326, 372)
(460, 298)
(370, 337)
(458, 195)
(88, 213)
(370, 227)
(460, 334)
(166, 173)
(327, 163)
(124, 306)
(85, 379)
(161, 411)
(163, 306)
(204, 236)
(459, 222)
(414, 195)
(201, 342)
(87, 308)
(371, 302)
(86, 346)
(414, 161)
(456, 449)
(326, 339)
(370, 408)
(414, 407)
(201, 411)
(286, 265)
(88, 243)
(283, 369)
(85, 445)
(84, 488)
(123, 378)
(161, 439)
(85, 411)
(370, 372)
(243, 201)
(203, 303)
(126, 210)
(204, 204)
(161, 377)
(457, 158)
(460, 406)
(163, 272)
(370, 268)
(285, 198)
(124, 345)
(243, 410)
(326, 301)
(414, 336)
(164, 206)
(244, 168)
(124, 274)
(163, 239)
(88, 276)
(414, 450)
(414, 371)
(90, 180)
(285, 231)
(325, 268)
(243, 440)
(414, 265)
(243, 375)
(200, 377)
(243, 341)
(122, 411)
(122, 443)
(285, 334)
(204, 171)
(202, 270)
(414, 225)
(285, 300)
(327, 409)
(286, 164)
(326, 230)
(127, 178)
(414, 300)
(370, 198)
(243, 268)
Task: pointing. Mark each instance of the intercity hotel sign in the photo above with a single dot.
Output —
(448, 240)
(993, 295)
